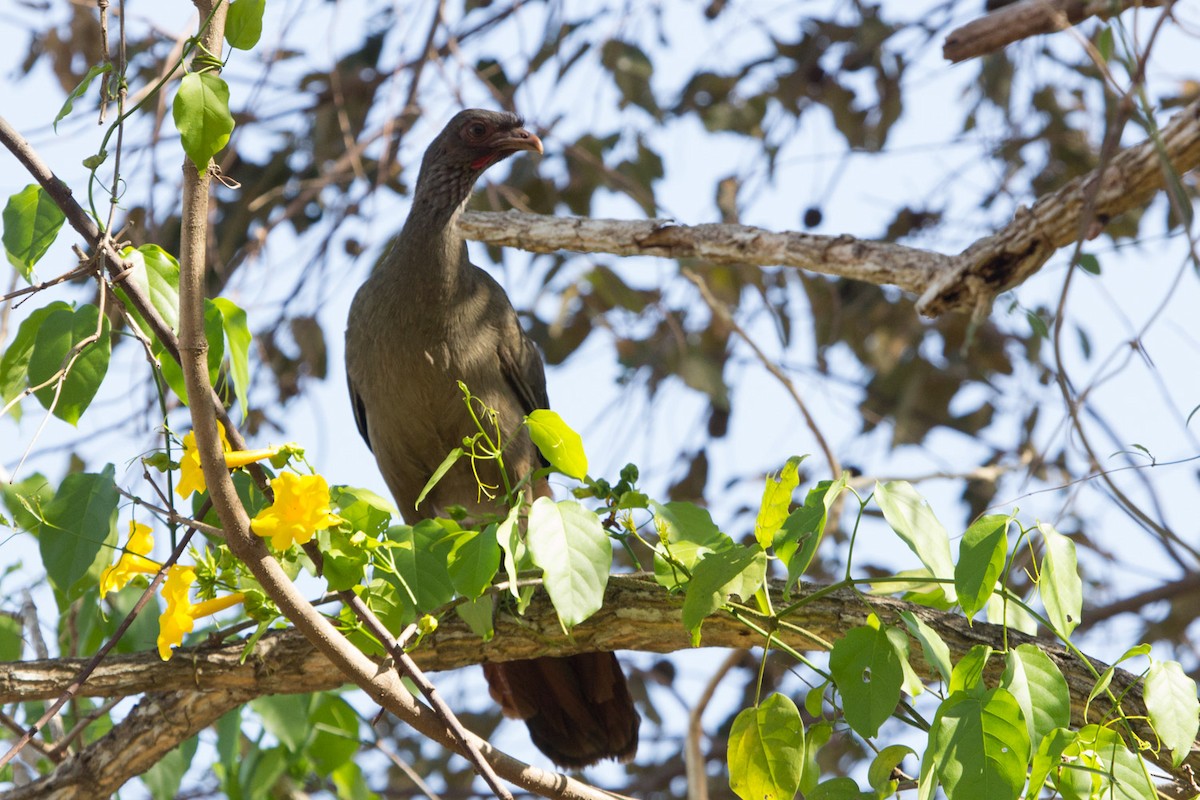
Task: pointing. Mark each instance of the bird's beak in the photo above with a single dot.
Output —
(516, 139)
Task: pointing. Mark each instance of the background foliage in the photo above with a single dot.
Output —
(1071, 400)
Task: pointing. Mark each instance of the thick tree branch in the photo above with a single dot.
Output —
(637, 615)
(1028, 18)
(158, 724)
(964, 282)
(1009, 256)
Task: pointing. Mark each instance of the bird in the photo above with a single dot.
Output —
(425, 319)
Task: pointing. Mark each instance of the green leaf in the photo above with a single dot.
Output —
(766, 750)
(1039, 688)
(335, 736)
(776, 502)
(363, 509)
(568, 542)
(60, 332)
(1048, 757)
(237, 334)
(201, 113)
(981, 559)
(447, 462)
(473, 561)
(837, 789)
(688, 533)
(11, 638)
(79, 522)
(1174, 710)
(557, 442)
(937, 654)
(25, 499)
(815, 738)
(1102, 751)
(14, 364)
(79, 91)
(1007, 612)
(243, 25)
(879, 774)
(866, 668)
(31, 224)
(1089, 263)
(214, 334)
(738, 570)
(157, 273)
(421, 578)
(345, 561)
(980, 746)
(285, 716)
(166, 776)
(910, 516)
(1104, 43)
(1059, 584)
(968, 672)
(797, 540)
(516, 554)
(479, 615)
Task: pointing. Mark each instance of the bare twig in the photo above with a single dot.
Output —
(697, 772)
(722, 312)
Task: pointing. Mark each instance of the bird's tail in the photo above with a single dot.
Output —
(578, 709)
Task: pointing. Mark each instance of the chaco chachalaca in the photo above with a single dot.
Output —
(425, 319)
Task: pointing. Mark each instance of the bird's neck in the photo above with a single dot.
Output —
(429, 256)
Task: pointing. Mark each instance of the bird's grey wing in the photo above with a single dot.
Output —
(522, 366)
(360, 412)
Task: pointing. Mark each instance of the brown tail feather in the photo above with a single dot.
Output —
(578, 709)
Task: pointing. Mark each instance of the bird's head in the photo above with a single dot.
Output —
(472, 141)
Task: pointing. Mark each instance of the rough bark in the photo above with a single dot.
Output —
(1028, 18)
(637, 615)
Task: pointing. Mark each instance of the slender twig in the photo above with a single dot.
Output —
(59, 751)
(697, 772)
(407, 769)
(43, 750)
(719, 310)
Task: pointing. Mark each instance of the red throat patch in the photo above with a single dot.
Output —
(483, 161)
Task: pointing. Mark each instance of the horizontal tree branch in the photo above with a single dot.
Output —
(155, 727)
(1028, 18)
(637, 615)
(964, 282)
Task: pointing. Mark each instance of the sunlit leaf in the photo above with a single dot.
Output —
(1039, 688)
(776, 502)
(910, 516)
(1174, 709)
(237, 334)
(79, 530)
(981, 559)
(79, 91)
(54, 350)
(1059, 585)
(201, 114)
(866, 668)
(766, 750)
(557, 442)
(980, 746)
(568, 542)
(243, 25)
(738, 570)
(31, 224)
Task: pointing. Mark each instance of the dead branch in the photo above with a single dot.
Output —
(1028, 18)
(968, 281)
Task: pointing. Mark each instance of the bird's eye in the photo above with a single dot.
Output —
(476, 130)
